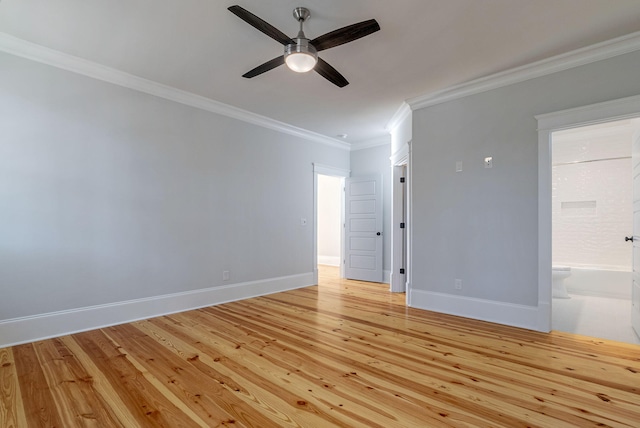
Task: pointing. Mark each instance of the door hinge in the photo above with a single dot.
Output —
(401, 225)
(402, 270)
(401, 179)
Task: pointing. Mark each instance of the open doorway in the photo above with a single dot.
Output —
(592, 230)
(400, 278)
(548, 124)
(330, 220)
(324, 207)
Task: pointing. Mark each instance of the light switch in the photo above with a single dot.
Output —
(459, 166)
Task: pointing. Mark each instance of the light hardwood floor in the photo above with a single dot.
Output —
(345, 353)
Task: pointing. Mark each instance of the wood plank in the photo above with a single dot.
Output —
(203, 393)
(344, 353)
(149, 406)
(315, 368)
(78, 403)
(101, 384)
(39, 405)
(11, 410)
(482, 370)
(288, 382)
(433, 383)
(579, 364)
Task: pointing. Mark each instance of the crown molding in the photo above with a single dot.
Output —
(371, 142)
(398, 117)
(586, 55)
(22, 48)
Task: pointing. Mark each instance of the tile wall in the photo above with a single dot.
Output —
(592, 196)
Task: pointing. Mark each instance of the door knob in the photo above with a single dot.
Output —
(381, 234)
(628, 238)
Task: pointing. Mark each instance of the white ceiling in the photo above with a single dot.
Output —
(423, 46)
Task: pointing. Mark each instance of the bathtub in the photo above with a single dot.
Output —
(599, 282)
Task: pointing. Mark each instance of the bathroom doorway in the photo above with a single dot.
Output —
(592, 214)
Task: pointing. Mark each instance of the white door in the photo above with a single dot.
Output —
(635, 284)
(363, 228)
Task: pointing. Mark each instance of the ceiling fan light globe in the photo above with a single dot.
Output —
(301, 62)
(300, 57)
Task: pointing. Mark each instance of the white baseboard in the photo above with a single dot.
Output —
(37, 327)
(485, 310)
(329, 260)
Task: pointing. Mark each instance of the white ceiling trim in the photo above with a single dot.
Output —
(586, 55)
(398, 117)
(38, 53)
(372, 142)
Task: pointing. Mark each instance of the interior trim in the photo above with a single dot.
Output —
(586, 55)
(22, 48)
(398, 117)
(481, 309)
(330, 170)
(44, 326)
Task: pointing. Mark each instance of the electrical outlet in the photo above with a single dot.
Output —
(458, 284)
(225, 275)
(488, 162)
(459, 166)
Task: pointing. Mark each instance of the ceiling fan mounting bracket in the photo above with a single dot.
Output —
(301, 14)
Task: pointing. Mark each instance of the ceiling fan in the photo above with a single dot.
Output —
(300, 53)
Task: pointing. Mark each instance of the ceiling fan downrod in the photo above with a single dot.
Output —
(301, 14)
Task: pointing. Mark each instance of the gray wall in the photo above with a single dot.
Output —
(480, 225)
(108, 194)
(375, 160)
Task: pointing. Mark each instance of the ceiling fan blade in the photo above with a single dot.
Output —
(260, 24)
(263, 68)
(331, 74)
(345, 34)
(269, 65)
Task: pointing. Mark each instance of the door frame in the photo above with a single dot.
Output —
(397, 281)
(635, 290)
(333, 172)
(623, 108)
